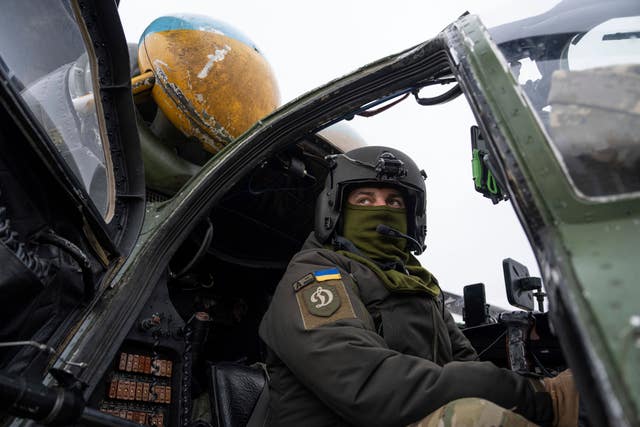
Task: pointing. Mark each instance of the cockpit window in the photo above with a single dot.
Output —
(51, 67)
(580, 71)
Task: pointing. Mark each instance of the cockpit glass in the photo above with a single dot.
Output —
(579, 67)
(50, 66)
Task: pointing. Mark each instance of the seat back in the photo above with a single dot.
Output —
(235, 392)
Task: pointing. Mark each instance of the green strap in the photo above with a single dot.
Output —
(492, 184)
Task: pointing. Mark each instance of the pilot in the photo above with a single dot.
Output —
(357, 332)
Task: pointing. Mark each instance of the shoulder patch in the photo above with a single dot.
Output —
(306, 280)
(324, 302)
(322, 299)
(328, 274)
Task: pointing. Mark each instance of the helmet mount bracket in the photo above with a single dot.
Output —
(388, 167)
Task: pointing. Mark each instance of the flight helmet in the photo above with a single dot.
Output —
(375, 166)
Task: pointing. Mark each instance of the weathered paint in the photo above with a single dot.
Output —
(217, 57)
(231, 88)
(142, 83)
(197, 23)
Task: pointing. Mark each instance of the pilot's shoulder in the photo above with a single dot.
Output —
(319, 257)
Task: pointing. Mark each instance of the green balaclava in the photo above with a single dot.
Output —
(387, 256)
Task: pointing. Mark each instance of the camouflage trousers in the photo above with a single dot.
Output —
(472, 412)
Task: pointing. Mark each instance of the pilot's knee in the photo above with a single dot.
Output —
(472, 412)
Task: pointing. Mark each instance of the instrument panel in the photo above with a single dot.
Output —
(140, 389)
(151, 370)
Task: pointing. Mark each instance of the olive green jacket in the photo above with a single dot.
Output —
(378, 358)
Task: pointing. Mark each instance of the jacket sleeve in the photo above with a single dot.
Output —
(461, 348)
(351, 370)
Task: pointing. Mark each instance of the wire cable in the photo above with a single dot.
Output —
(206, 242)
(502, 335)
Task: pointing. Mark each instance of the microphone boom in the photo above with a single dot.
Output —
(385, 230)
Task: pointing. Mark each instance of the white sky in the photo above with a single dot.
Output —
(310, 43)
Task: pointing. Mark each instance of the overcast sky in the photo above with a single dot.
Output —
(310, 43)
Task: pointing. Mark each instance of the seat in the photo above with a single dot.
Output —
(239, 395)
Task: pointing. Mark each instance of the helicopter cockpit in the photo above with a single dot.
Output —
(143, 331)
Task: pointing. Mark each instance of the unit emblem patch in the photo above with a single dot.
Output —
(324, 302)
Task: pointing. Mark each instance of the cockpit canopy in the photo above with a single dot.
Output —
(579, 68)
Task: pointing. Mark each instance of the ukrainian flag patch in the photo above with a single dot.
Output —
(328, 274)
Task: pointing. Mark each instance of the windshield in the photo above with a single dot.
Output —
(43, 48)
(579, 66)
